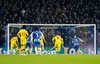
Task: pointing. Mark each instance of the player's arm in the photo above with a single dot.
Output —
(53, 40)
(27, 34)
(31, 38)
(18, 34)
(81, 40)
(62, 44)
(10, 39)
(44, 40)
(43, 37)
(17, 41)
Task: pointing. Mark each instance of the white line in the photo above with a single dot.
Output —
(95, 39)
(8, 39)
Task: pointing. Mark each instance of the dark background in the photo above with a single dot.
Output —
(48, 12)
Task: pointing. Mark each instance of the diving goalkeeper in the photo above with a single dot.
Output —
(75, 41)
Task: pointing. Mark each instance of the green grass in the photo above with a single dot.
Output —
(50, 59)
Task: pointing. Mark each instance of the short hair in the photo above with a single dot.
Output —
(73, 35)
(36, 28)
(57, 33)
(23, 27)
(14, 35)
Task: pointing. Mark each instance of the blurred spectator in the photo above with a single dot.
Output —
(50, 11)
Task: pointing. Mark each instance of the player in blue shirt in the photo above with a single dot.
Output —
(75, 41)
(29, 46)
(35, 38)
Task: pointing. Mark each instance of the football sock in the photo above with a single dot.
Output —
(36, 51)
(40, 50)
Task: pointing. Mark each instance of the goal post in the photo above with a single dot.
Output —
(77, 27)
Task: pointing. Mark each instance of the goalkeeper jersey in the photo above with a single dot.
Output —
(75, 41)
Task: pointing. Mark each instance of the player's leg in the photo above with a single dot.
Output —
(57, 49)
(31, 50)
(12, 46)
(39, 50)
(36, 48)
(76, 49)
(17, 51)
(27, 48)
(11, 50)
(21, 50)
(42, 46)
(23, 45)
(79, 51)
(51, 49)
(39, 47)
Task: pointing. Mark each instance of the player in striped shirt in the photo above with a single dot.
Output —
(35, 38)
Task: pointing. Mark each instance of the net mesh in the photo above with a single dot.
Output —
(86, 33)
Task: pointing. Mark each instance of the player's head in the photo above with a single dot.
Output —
(57, 33)
(36, 28)
(74, 36)
(23, 27)
(14, 35)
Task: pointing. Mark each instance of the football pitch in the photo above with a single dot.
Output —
(50, 59)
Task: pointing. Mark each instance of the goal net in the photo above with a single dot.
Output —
(87, 32)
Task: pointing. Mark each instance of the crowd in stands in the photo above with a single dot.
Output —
(48, 12)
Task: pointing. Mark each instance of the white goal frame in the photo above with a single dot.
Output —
(78, 25)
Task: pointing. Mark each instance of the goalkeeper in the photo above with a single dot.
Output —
(58, 42)
(75, 41)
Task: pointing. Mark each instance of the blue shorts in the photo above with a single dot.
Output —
(76, 47)
(36, 43)
(28, 45)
